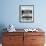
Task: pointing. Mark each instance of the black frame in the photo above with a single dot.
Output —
(20, 13)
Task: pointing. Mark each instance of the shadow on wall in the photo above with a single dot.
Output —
(2, 26)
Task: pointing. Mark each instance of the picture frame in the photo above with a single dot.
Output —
(26, 13)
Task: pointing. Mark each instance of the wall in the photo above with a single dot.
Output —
(10, 13)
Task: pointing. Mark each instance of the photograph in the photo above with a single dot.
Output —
(26, 13)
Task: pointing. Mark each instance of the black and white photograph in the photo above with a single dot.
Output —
(26, 13)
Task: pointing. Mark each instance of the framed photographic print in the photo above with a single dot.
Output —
(26, 13)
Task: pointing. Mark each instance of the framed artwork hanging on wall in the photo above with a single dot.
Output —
(26, 13)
